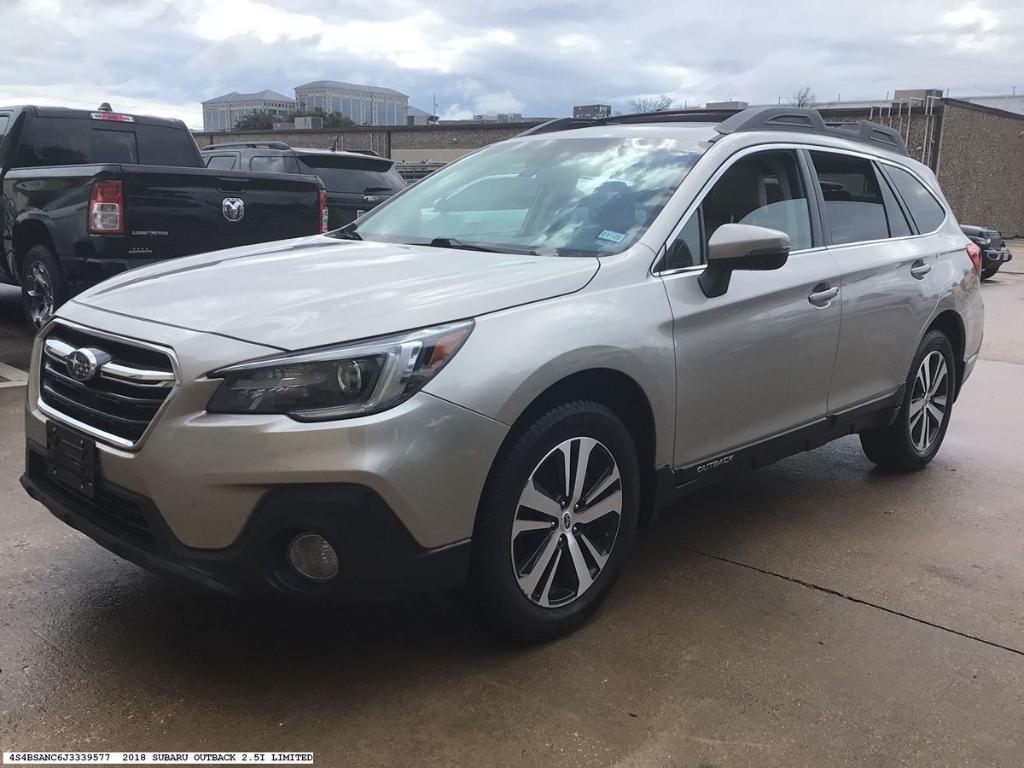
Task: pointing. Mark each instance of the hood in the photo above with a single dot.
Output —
(314, 291)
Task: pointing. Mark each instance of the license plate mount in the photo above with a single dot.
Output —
(71, 459)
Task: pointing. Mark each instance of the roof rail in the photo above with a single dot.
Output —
(741, 121)
(810, 121)
(249, 145)
(665, 116)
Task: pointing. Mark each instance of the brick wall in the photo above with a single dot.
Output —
(981, 166)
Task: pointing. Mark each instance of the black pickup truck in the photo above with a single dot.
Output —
(86, 195)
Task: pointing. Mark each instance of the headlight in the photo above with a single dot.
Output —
(337, 382)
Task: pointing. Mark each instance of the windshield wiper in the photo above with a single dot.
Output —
(451, 242)
(346, 234)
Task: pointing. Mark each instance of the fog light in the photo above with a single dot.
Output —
(312, 556)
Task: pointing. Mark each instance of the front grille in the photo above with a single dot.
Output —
(109, 509)
(121, 396)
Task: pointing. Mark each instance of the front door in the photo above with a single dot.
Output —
(755, 362)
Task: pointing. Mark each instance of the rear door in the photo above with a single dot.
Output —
(355, 184)
(756, 362)
(886, 297)
(179, 211)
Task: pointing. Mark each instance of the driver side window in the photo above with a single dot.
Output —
(764, 189)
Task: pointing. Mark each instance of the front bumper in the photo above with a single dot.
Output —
(377, 556)
(206, 484)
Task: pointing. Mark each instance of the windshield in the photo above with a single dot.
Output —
(557, 196)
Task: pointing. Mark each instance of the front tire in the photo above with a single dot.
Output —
(987, 272)
(556, 522)
(912, 441)
(43, 289)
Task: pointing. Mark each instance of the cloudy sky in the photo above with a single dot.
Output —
(537, 57)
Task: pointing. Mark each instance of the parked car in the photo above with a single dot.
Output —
(994, 252)
(636, 308)
(86, 195)
(356, 181)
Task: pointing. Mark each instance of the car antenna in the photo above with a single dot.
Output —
(105, 107)
(334, 146)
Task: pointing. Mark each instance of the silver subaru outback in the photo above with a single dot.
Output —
(496, 377)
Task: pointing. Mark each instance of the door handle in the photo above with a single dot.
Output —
(822, 294)
(919, 269)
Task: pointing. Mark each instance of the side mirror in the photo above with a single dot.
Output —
(741, 246)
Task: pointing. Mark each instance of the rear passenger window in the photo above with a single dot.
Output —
(221, 162)
(854, 206)
(924, 208)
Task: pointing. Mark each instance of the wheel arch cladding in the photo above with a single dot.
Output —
(952, 325)
(623, 396)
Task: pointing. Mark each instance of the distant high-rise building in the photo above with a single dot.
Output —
(223, 112)
(363, 104)
(592, 111)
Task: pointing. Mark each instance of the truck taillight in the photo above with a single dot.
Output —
(106, 208)
(974, 251)
(323, 211)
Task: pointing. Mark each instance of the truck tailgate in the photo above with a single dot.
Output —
(180, 211)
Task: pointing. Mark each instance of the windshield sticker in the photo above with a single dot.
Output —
(611, 237)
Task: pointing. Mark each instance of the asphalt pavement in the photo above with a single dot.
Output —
(818, 612)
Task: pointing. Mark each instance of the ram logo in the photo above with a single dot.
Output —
(233, 208)
(714, 464)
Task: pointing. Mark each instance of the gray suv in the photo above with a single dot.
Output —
(493, 379)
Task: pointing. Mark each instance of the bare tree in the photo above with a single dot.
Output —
(803, 98)
(650, 103)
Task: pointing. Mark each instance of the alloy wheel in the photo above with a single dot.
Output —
(929, 401)
(566, 522)
(39, 288)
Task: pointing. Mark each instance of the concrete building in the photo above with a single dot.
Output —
(592, 111)
(417, 116)
(223, 112)
(726, 105)
(976, 151)
(363, 104)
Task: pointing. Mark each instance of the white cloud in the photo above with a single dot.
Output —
(89, 96)
(492, 103)
(530, 56)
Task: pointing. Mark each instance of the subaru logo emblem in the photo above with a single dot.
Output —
(82, 364)
(233, 208)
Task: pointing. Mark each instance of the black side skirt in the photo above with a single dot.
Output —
(878, 413)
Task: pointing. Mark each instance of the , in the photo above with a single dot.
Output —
(496, 376)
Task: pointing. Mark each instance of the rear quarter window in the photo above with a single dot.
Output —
(926, 211)
(221, 162)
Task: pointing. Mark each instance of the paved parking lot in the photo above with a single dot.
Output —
(815, 613)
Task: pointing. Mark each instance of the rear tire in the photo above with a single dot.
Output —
(916, 435)
(538, 570)
(43, 288)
